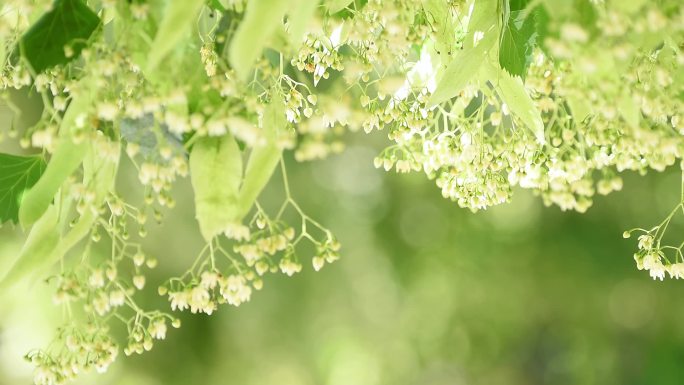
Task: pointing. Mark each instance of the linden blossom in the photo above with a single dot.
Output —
(560, 109)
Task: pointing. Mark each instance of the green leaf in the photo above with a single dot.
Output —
(263, 159)
(37, 250)
(580, 108)
(216, 173)
(629, 110)
(300, 17)
(512, 92)
(465, 64)
(587, 15)
(100, 174)
(69, 23)
(17, 174)
(178, 18)
(66, 158)
(444, 24)
(481, 19)
(345, 11)
(3, 51)
(46, 244)
(517, 42)
(262, 19)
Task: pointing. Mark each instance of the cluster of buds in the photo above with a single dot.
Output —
(212, 289)
(327, 252)
(651, 257)
(318, 56)
(85, 347)
(145, 329)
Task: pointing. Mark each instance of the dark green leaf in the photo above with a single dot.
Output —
(69, 23)
(517, 5)
(543, 19)
(17, 174)
(586, 15)
(346, 12)
(518, 40)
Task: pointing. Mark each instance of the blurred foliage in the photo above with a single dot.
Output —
(425, 293)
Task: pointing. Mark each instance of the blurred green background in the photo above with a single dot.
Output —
(425, 293)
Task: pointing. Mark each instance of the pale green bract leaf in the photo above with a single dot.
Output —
(36, 252)
(209, 21)
(216, 173)
(444, 24)
(3, 51)
(629, 110)
(481, 19)
(99, 173)
(66, 158)
(178, 18)
(462, 69)
(263, 159)
(262, 19)
(512, 91)
(299, 19)
(45, 245)
(466, 63)
(579, 107)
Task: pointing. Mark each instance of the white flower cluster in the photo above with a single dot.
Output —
(477, 149)
(85, 348)
(267, 246)
(142, 334)
(104, 291)
(320, 133)
(212, 290)
(609, 95)
(319, 55)
(327, 252)
(651, 257)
